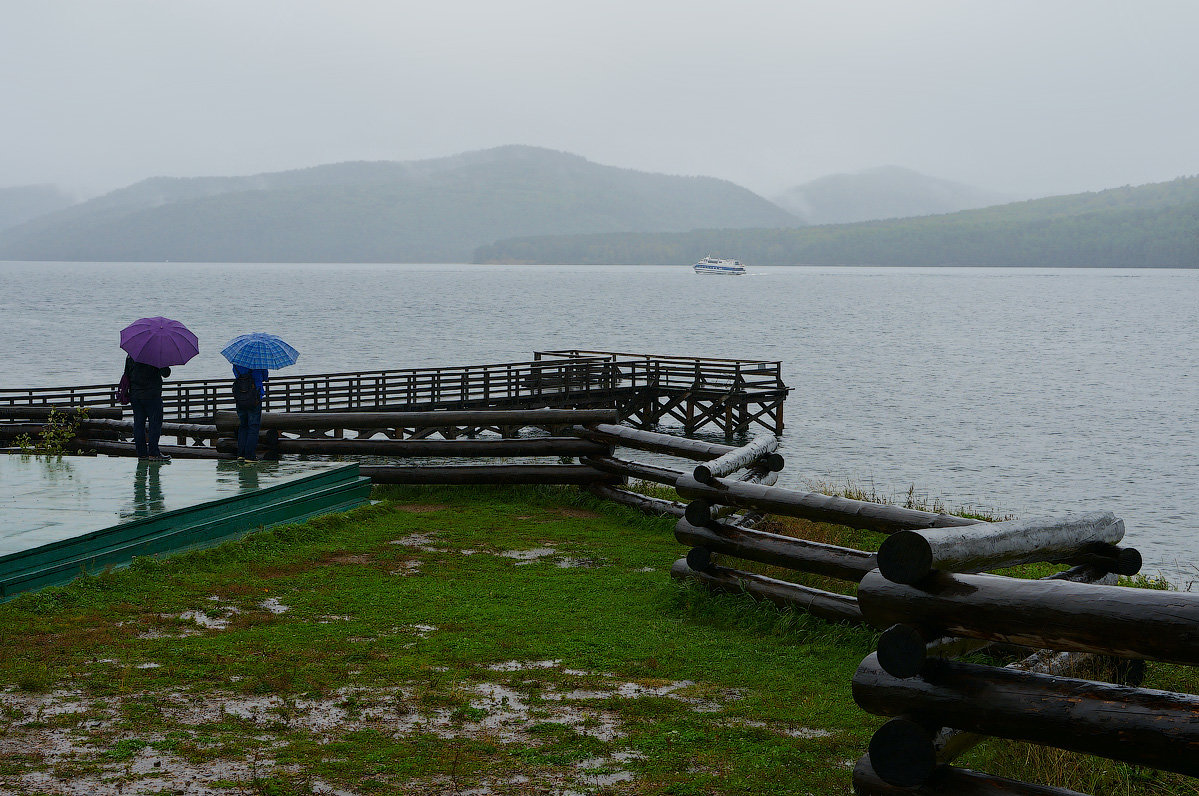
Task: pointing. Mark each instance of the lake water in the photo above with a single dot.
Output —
(1023, 391)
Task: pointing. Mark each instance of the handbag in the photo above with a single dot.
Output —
(123, 390)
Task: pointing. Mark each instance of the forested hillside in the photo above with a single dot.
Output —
(1146, 226)
(431, 211)
(21, 203)
(881, 193)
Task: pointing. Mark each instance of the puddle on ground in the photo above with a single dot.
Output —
(522, 666)
(500, 713)
(273, 605)
(421, 541)
(409, 567)
(529, 555)
(789, 730)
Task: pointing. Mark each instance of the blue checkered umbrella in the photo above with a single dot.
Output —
(260, 350)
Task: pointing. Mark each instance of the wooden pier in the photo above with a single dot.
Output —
(696, 393)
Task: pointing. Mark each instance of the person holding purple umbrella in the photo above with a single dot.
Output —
(145, 399)
(153, 345)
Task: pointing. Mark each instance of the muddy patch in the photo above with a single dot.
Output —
(421, 508)
(347, 558)
(578, 514)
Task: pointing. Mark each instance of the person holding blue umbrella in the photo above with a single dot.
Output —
(252, 355)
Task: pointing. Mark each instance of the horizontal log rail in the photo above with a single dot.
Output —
(783, 551)
(425, 448)
(489, 474)
(645, 503)
(1049, 614)
(813, 506)
(652, 441)
(114, 448)
(42, 412)
(823, 604)
(950, 781)
(1140, 726)
(476, 418)
(909, 556)
(637, 470)
(904, 650)
(193, 430)
(759, 449)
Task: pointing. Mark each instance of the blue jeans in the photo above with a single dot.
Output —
(247, 432)
(147, 425)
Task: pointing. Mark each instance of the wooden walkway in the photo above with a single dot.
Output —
(696, 393)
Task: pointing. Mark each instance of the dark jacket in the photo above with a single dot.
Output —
(145, 381)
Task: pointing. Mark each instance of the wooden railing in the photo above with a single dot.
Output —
(553, 377)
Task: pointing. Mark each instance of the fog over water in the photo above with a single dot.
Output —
(1026, 391)
(1024, 97)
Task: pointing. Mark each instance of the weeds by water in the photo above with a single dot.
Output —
(912, 499)
(56, 436)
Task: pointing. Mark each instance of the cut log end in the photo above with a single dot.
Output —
(902, 753)
(699, 512)
(1128, 562)
(902, 651)
(905, 557)
(699, 559)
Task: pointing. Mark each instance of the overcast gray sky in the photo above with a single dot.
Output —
(1031, 98)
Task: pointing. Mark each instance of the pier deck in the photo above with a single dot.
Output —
(696, 393)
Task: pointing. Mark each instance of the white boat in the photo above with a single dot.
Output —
(716, 265)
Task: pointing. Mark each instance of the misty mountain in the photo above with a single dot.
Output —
(21, 203)
(434, 211)
(884, 192)
(1154, 225)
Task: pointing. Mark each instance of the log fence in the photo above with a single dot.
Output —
(941, 706)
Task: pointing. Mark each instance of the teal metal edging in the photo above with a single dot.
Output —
(203, 525)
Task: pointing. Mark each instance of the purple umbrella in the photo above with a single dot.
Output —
(160, 342)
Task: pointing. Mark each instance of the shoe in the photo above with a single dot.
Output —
(241, 458)
(162, 457)
(143, 458)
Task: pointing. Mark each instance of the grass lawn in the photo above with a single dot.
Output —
(443, 641)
